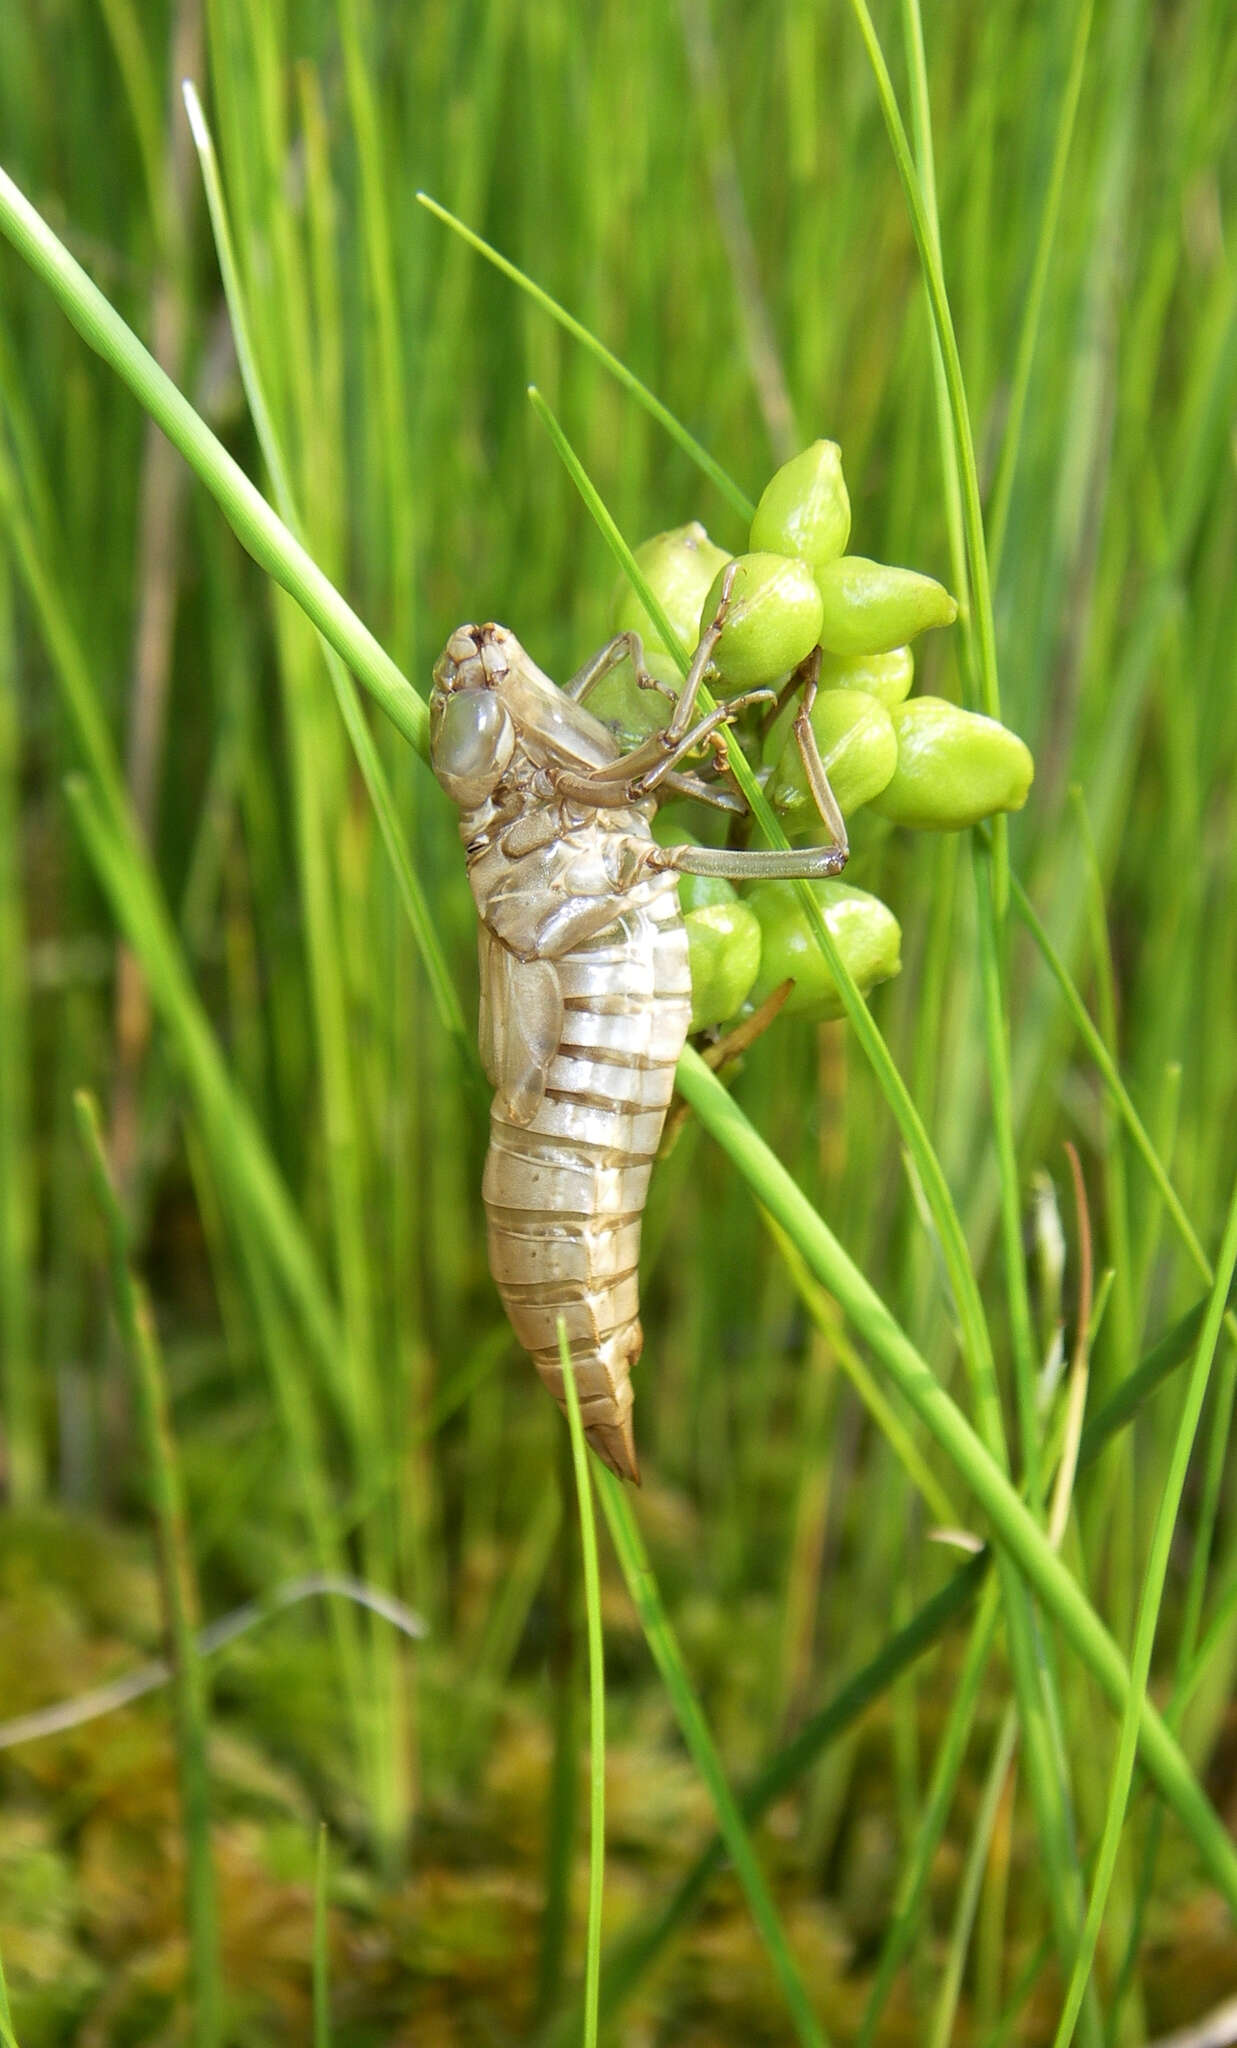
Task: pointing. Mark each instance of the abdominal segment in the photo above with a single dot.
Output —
(564, 1193)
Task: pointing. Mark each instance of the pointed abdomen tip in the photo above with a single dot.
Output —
(615, 1445)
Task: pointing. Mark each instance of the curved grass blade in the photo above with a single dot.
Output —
(212, 1637)
(255, 525)
(1015, 1529)
(734, 497)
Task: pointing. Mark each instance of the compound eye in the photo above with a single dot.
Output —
(472, 740)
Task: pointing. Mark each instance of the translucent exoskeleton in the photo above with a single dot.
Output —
(585, 991)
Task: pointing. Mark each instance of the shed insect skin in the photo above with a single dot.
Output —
(585, 988)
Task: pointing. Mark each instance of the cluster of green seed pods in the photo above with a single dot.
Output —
(745, 945)
(918, 761)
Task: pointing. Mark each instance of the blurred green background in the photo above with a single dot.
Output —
(710, 189)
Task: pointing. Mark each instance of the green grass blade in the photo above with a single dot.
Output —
(642, 1586)
(1123, 1404)
(562, 1802)
(883, 1412)
(1014, 1528)
(321, 1947)
(1192, 1659)
(980, 620)
(760, 344)
(925, 152)
(1048, 1765)
(946, 2009)
(734, 497)
(1116, 1087)
(256, 526)
(633, 1955)
(18, 1220)
(1080, 160)
(391, 407)
(908, 1905)
(124, 27)
(596, 1694)
(8, 2038)
(227, 1119)
(442, 988)
(1040, 1713)
(996, 1033)
(977, 1346)
(271, 1237)
(1148, 1617)
(137, 1325)
(64, 645)
(1028, 333)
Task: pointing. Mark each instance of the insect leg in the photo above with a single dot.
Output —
(765, 863)
(679, 783)
(643, 784)
(796, 863)
(681, 718)
(639, 773)
(623, 647)
(806, 675)
(804, 863)
(630, 646)
(809, 753)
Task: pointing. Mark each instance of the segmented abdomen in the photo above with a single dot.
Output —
(564, 1194)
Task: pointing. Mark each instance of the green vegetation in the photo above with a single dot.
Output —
(855, 1789)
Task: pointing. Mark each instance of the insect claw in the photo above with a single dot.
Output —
(727, 587)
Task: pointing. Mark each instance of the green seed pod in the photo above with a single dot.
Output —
(858, 750)
(954, 767)
(678, 567)
(871, 608)
(864, 930)
(887, 676)
(724, 949)
(804, 509)
(630, 712)
(773, 621)
(702, 892)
